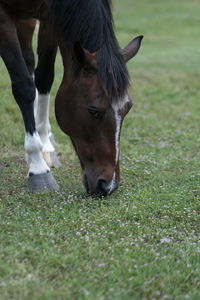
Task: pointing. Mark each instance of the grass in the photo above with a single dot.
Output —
(142, 242)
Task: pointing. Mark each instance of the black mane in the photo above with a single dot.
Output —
(90, 23)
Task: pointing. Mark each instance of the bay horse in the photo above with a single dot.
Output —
(92, 99)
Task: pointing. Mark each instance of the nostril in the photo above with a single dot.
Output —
(103, 187)
(106, 188)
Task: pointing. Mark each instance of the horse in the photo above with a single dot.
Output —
(92, 99)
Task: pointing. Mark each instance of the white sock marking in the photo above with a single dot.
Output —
(35, 160)
(42, 122)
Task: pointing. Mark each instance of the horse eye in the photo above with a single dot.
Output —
(95, 113)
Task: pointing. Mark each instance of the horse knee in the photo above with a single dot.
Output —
(24, 91)
(43, 82)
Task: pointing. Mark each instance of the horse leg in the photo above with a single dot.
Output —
(23, 88)
(25, 30)
(44, 76)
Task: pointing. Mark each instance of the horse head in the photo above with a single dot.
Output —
(86, 112)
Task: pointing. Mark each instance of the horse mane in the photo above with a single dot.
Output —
(90, 23)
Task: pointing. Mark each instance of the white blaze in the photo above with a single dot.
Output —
(117, 107)
(117, 134)
(118, 119)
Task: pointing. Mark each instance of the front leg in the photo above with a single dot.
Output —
(23, 88)
(44, 76)
(43, 126)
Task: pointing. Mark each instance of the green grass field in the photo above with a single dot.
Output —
(143, 242)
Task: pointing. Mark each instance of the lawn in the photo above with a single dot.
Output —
(142, 242)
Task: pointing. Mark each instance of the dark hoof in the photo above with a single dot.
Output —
(42, 182)
(54, 159)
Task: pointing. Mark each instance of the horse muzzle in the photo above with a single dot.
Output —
(101, 188)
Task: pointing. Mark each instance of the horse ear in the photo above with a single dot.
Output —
(85, 57)
(132, 48)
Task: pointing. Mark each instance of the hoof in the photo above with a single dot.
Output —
(53, 156)
(47, 158)
(54, 159)
(51, 159)
(42, 182)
